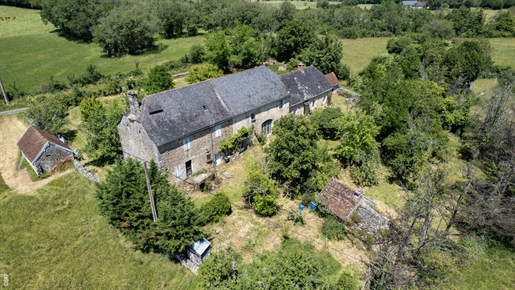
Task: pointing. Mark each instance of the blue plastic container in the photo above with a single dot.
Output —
(313, 206)
(301, 207)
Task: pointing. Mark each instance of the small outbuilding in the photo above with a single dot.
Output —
(43, 150)
(342, 201)
(199, 251)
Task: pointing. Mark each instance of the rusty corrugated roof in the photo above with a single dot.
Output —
(34, 140)
(332, 79)
(339, 198)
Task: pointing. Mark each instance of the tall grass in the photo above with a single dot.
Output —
(56, 239)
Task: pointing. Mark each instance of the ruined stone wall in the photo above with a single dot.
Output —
(201, 144)
(268, 112)
(135, 141)
(53, 155)
(82, 170)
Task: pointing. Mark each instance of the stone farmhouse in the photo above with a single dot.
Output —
(181, 129)
(43, 150)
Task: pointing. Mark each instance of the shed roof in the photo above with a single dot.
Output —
(339, 198)
(305, 84)
(332, 79)
(34, 140)
(200, 246)
(170, 115)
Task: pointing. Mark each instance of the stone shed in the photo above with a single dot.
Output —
(43, 150)
(343, 200)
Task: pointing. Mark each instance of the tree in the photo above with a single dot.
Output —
(236, 48)
(88, 107)
(358, 146)
(159, 79)
(259, 190)
(75, 17)
(49, 114)
(326, 55)
(203, 72)
(294, 158)
(100, 126)
(128, 28)
(124, 201)
(324, 120)
(292, 39)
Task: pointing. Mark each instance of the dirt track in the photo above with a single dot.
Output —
(11, 130)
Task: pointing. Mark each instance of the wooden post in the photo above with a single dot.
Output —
(5, 94)
(152, 204)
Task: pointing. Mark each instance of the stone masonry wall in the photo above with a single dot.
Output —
(201, 143)
(82, 170)
(268, 112)
(53, 155)
(319, 103)
(135, 141)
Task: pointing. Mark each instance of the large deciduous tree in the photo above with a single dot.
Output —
(292, 39)
(128, 28)
(326, 55)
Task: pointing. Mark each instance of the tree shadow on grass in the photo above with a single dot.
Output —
(156, 49)
(63, 34)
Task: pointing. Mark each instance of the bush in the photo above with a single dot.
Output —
(217, 207)
(296, 216)
(159, 79)
(364, 175)
(333, 228)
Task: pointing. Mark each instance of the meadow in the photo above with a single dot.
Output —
(32, 52)
(57, 239)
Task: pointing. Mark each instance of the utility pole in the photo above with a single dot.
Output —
(152, 204)
(3, 91)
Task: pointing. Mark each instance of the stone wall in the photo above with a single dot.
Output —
(52, 155)
(371, 220)
(135, 141)
(320, 102)
(261, 115)
(201, 144)
(82, 170)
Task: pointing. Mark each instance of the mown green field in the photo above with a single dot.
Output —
(31, 52)
(57, 239)
(357, 53)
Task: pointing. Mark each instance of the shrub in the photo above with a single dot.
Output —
(325, 122)
(333, 228)
(218, 206)
(296, 216)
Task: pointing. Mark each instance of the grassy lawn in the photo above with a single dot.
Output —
(56, 239)
(503, 51)
(357, 53)
(32, 52)
(483, 85)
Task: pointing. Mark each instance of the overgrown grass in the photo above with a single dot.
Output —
(357, 53)
(30, 58)
(494, 268)
(483, 85)
(3, 187)
(56, 239)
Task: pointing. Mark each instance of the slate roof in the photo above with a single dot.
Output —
(332, 79)
(339, 198)
(190, 109)
(34, 140)
(306, 84)
(409, 3)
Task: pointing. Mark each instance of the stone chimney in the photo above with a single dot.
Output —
(134, 104)
(300, 66)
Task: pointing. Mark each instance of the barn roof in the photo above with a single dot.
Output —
(339, 198)
(34, 140)
(305, 84)
(170, 115)
(332, 79)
